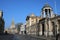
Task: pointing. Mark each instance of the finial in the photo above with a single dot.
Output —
(12, 20)
(12, 24)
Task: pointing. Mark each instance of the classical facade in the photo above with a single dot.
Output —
(47, 24)
(31, 22)
(1, 23)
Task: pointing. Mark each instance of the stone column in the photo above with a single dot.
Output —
(46, 28)
(57, 26)
(50, 28)
(30, 25)
(43, 14)
(30, 21)
(52, 14)
(40, 33)
(47, 23)
(35, 29)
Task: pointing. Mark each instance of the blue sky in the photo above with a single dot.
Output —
(19, 9)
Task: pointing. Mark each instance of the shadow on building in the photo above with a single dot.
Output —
(1, 23)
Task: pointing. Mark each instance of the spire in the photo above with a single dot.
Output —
(12, 24)
(12, 21)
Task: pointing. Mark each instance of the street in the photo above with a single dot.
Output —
(25, 37)
(18, 37)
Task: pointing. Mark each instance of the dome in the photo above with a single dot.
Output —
(32, 15)
(46, 5)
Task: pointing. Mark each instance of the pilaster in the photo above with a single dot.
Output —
(50, 28)
(40, 33)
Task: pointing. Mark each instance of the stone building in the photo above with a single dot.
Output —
(31, 22)
(1, 23)
(18, 26)
(48, 24)
(22, 29)
(13, 29)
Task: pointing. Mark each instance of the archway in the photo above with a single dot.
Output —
(43, 26)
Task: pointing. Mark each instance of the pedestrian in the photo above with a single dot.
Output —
(57, 36)
(6, 32)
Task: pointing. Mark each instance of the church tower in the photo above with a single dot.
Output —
(47, 11)
(12, 24)
(13, 29)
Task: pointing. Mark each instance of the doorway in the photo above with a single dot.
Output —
(43, 26)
